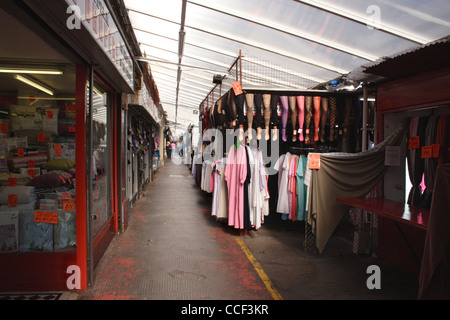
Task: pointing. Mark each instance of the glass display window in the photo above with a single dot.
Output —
(37, 158)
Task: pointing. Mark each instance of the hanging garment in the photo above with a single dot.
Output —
(215, 186)
(308, 117)
(206, 176)
(442, 139)
(292, 187)
(324, 118)
(260, 191)
(222, 192)
(294, 113)
(430, 163)
(301, 188)
(250, 102)
(282, 166)
(274, 100)
(247, 181)
(240, 101)
(333, 117)
(316, 103)
(235, 175)
(284, 116)
(301, 116)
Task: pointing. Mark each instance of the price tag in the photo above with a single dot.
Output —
(49, 114)
(4, 128)
(31, 164)
(314, 161)
(12, 200)
(32, 173)
(72, 129)
(41, 137)
(66, 196)
(237, 88)
(57, 149)
(12, 182)
(427, 152)
(414, 143)
(46, 217)
(20, 153)
(69, 205)
(436, 148)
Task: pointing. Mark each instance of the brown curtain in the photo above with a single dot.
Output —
(345, 175)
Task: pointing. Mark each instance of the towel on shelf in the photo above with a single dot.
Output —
(25, 194)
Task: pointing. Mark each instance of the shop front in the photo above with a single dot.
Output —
(64, 72)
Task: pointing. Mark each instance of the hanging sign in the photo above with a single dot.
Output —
(12, 182)
(69, 205)
(20, 153)
(414, 143)
(57, 149)
(314, 161)
(436, 148)
(237, 88)
(12, 200)
(392, 156)
(41, 137)
(427, 152)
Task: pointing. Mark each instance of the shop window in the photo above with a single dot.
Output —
(37, 160)
(101, 158)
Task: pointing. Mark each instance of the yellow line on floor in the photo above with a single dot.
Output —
(275, 294)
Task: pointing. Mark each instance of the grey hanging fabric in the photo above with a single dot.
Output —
(345, 175)
(434, 280)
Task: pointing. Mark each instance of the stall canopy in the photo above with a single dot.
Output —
(290, 44)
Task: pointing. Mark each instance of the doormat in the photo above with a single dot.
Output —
(46, 296)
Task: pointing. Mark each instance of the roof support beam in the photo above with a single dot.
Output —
(180, 54)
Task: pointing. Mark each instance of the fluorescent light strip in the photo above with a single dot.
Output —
(34, 84)
(31, 71)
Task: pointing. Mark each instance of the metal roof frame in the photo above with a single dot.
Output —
(186, 42)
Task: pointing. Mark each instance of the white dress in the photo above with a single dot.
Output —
(282, 166)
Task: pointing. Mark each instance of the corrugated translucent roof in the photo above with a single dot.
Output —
(313, 41)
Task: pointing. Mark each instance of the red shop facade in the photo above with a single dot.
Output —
(65, 72)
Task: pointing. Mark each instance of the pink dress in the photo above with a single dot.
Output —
(235, 175)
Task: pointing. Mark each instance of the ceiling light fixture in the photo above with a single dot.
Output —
(31, 71)
(34, 84)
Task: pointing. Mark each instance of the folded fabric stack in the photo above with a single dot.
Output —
(17, 163)
(9, 231)
(34, 236)
(10, 212)
(68, 151)
(22, 179)
(35, 138)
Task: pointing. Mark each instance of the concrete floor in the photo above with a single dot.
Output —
(174, 250)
